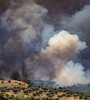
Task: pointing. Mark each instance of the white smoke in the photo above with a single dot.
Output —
(65, 45)
(79, 23)
(53, 63)
(72, 74)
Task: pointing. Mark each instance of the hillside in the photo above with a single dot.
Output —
(18, 90)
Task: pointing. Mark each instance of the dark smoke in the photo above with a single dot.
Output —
(35, 45)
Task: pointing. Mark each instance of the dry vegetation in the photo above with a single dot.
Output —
(18, 90)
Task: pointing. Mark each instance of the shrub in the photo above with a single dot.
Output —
(2, 96)
(2, 81)
(34, 94)
(9, 81)
(12, 97)
(26, 91)
(15, 90)
(20, 97)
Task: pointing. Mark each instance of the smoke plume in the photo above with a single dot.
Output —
(54, 61)
(36, 43)
(79, 22)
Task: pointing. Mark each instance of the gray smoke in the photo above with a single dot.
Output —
(31, 47)
(22, 25)
(79, 22)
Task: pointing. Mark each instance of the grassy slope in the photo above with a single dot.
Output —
(18, 90)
